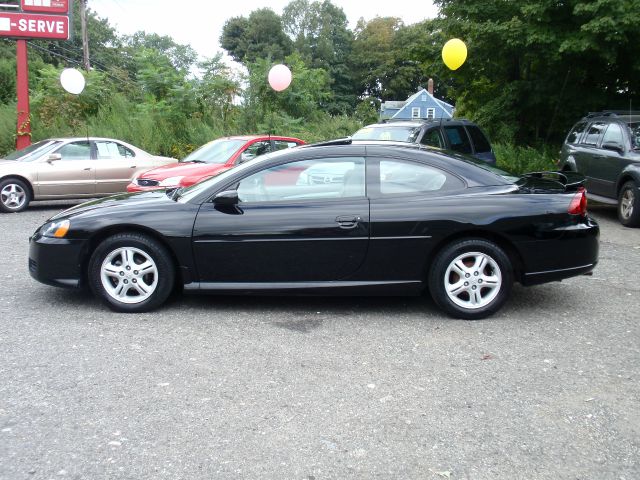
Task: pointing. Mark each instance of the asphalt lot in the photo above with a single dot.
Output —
(322, 388)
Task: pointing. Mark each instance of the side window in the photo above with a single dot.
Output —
(594, 133)
(479, 140)
(576, 132)
(306, 180)
(397, 177)
(283, 144)
(110, 150)
(432, 138)
(634, 129)
(458, 138)
(613, 134)
(125, 152)
(256, 149)
(76, 151)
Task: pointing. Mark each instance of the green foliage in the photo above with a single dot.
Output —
(257, 37)
(519, 160)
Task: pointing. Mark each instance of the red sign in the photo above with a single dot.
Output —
(28, 25)
(45, 6)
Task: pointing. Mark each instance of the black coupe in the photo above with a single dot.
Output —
(343, 217)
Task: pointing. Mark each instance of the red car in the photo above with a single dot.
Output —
(209, 160)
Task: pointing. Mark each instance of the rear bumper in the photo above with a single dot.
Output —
(573, 252)
(56, 261)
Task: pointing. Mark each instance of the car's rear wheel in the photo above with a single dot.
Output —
(15, 195)
(629, 205)
(131, 273)
(471, 279)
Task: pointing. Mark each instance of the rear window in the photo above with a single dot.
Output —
(576, 132)
(479, 140)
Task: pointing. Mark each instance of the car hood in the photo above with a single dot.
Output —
(189, 169)
(120, 202)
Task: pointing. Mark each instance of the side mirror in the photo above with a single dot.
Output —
(616, 147)
(226, 198)
(54, 157)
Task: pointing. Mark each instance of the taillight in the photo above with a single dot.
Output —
(578, 205)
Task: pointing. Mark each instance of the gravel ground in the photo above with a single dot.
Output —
(322, 388)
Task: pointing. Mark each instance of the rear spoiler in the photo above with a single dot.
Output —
(571, 181)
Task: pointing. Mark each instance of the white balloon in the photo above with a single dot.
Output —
(72, 81)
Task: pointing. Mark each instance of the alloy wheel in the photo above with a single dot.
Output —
(13, 196)
(626, 203)
(129, 275)
(472, 280)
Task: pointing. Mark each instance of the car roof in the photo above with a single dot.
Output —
(419, 122)
(624, 116)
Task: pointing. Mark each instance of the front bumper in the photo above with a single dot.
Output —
(56, 261)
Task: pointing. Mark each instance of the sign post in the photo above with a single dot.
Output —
(50, 20)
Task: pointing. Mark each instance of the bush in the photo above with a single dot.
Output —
(519, 160)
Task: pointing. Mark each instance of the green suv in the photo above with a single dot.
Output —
(605, 147)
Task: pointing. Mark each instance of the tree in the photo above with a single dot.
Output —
(259, 36)
(536, 66)
(321, 36)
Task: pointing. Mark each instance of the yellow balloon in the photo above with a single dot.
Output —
(454, 53)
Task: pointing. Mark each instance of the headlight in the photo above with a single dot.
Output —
(56, 229)
(171, 181)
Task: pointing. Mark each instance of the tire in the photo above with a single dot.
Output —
(482, 288)
(15, 195)
(114, 278)
(629, 205)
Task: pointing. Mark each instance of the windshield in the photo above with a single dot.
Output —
(218, 151)
(388, 132)
(33, 151)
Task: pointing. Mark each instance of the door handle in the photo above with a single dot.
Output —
(133, 166)
(88, 168)
(348, 221)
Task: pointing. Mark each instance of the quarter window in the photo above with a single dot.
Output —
(306, 180)
(398, 177)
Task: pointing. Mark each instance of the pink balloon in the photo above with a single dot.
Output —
(279, 77)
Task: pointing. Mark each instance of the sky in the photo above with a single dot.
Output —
(200, 23)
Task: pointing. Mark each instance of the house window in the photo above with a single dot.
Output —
(431, 113)
(424, 97)
(415, 112)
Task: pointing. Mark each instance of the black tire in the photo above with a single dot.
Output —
(629, 204)
(497, 271)
(111, 270)
(15, 195)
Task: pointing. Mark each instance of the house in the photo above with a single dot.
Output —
(421, 104)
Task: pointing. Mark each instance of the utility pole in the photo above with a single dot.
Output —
(85, 35)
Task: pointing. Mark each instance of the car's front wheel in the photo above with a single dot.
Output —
(131, 273)
(471, 278)
(15, 195)
(629, 205)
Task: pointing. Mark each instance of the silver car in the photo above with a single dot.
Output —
(63, 168)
